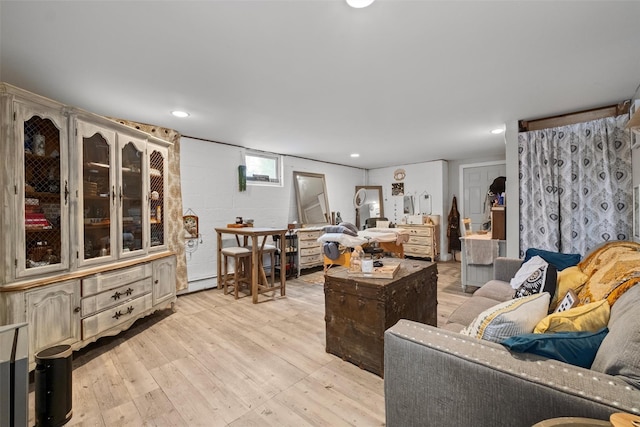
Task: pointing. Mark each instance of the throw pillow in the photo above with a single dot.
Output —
(513, 317)
(591, 317)
(541, 280)
(576, 348)
(558, 260)
(570, 278)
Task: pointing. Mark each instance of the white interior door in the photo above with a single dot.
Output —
(475, 184)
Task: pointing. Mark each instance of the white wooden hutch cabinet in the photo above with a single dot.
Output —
(84, 251)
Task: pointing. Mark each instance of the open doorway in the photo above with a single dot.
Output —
(475, 180)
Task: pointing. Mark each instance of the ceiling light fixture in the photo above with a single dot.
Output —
(180, 114)
(359, 4)
(497, 131)
(355, 155)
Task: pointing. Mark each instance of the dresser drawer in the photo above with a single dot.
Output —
(309, 243)
(310, 251)
(128, 310)
(114, 279)
(419, 240)
(311, 260)
(97, 302)
(417, 250)
(309, 235)
(419, 231)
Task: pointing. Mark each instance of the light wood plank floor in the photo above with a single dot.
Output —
(221, 362)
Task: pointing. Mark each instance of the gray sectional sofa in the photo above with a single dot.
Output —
(438, 377)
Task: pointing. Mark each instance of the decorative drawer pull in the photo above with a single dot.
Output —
(120, 314)
(129, 291)
(116, 296)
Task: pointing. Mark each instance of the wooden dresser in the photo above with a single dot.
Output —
(309, 249)
(358, 310)
(423, 241)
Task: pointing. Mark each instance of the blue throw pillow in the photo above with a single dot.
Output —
(575, 348)
(558, 260)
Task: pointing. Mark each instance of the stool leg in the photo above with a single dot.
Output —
(236, 266)
(224, 274)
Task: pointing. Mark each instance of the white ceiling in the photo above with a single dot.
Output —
(399, 82)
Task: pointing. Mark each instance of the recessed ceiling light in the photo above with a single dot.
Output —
(497, 131)
(355, 155)
(180, 113)
(359, 4)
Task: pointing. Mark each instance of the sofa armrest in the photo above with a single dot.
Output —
(505, 268)
(437, 377)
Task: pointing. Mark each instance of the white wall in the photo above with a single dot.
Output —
(210, 189)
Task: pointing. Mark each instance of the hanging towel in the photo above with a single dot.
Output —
(480, 250)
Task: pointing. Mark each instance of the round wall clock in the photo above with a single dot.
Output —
(399, 174)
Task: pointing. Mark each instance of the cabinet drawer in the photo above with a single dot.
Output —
(309, 243)
(93, 325)
(416, 250)
(310, 251)
(309, 235)
(94, 303)
(419, 231)
(419, 240)
(311, 260)
(105, 281)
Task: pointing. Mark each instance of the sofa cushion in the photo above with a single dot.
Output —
(496, 290)
(576, 348)
(591, 317)
(509, 318)
(571, 278)
(619, 353)
(470, 309)
(558, 260)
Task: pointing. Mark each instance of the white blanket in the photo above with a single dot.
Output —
(370, 235)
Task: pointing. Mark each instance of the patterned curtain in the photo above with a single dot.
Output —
(575, 186)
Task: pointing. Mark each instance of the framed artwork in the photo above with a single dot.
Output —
(397, 189)
(190, 223)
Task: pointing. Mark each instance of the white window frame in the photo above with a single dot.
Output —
(276, 158)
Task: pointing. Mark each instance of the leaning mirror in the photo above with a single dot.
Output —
(368, 203)
(311, 195)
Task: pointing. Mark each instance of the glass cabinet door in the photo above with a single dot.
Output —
(44, 211)
(157, 191)
(132, 197)
(97, 193)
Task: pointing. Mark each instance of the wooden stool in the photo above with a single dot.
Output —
(241, 273)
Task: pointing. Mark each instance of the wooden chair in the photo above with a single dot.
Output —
(241, 269)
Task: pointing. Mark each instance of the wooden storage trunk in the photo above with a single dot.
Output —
(358, 310)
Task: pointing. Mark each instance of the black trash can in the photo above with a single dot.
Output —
(53, 386)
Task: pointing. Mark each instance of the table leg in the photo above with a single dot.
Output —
(255, 264)
(283, 266)
(219, 260)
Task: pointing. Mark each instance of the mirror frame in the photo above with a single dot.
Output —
(300, 197)
(380, 201)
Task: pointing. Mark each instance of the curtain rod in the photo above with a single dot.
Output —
(576, 117)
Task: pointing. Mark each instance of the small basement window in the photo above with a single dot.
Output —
(263, 168)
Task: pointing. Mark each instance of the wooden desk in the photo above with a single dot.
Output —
(256, 255)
